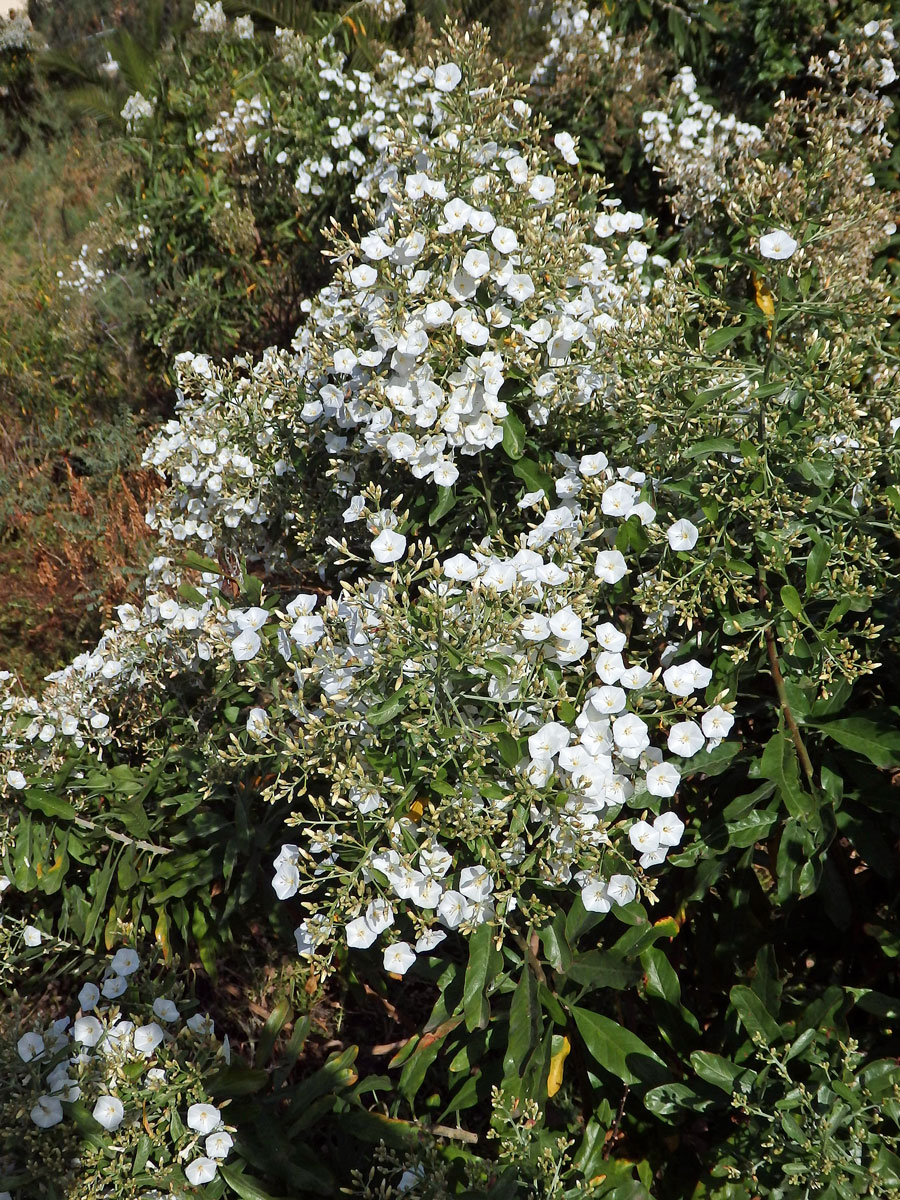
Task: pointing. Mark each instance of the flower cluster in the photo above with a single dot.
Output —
(136, 109)
(17, 33)
(546, 807)
(693, 144)
(210, 18)
(135, 1075)
(236, 130)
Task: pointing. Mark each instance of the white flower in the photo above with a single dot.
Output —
(388, 546)
(360, 934)
(618, 500)
(716, 723)
(201, 1024)
(445, 473)
(29, 1046)
(446, 77)
(246, 645)
(565, 144)
(114, 986)
(643, 836)
(399, 957)
(549, 740)
(16, 780)
(595, 896)
(426, 892)
(684, 678)
(777, 244)
(108, 1112)
(686, 738)
(363, 276)
(430, 940)
(682, 535)
(258, 722)
(663, 780)
(379, 915)
(125, 961)
(670, 828)
(634, 678)
(622, 889)
(610, 638)
(518, 169)
(201, 1170)
(435, 860)
(88, 996)
(592, 464)
(218, 1144)
(31, 936)
(203, 1118)
(476, 263)
(520, 288)
(454, 908)
(653, 858)
(504, 240)
(608, 699)
(542, 189)
(475, 883)
(535, 628)
(147, 1038)
(630, 734)
(47, 1112)
(287, 880)
(610, 566)
(87, 1030)
(165, 1009)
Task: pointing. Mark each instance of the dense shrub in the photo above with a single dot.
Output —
(528, 617)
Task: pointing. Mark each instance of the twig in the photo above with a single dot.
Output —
(458, 1135)
(121, 837)
(778, 680)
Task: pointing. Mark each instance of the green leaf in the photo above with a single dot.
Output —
(445, 501)
(754, 1015)
(599, 969)
(276, 1021)
(816, 563)
(779, 763)
(245, 1186)
(513, 436)
(48, 804)
(524, 1022)
(238, 1081)
(672, 1098)
(660, 978)
(710, 446)
(720, 338)
(790, 598)
(619, 1051)
(101, 887)
(188, 592)
(533, 475)
(714, 1069)
(484, 961)
(879, 743)
(509, 749)
(197, 562)
(386, 710)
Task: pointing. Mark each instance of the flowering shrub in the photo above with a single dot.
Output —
(542, 580)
